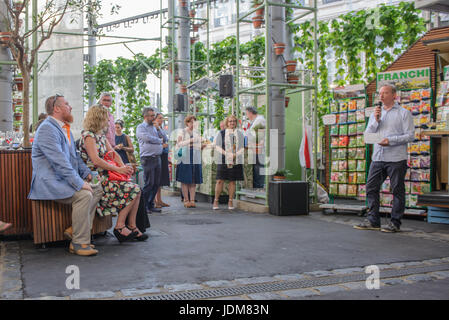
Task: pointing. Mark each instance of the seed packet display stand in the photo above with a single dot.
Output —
(348, 154)
(420, 169)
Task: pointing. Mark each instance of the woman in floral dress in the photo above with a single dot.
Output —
(119, 196)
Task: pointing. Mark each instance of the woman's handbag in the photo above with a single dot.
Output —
(113, 175)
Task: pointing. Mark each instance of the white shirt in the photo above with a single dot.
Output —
(259, 123)
(62, 124)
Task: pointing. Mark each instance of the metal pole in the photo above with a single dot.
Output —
(237, 59)
(315, 102)
(35, 66)
(184, 52)
(268, 42)
(92, 42)
(171, 80)
(5, 81)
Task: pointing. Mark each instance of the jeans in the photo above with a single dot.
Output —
(152, 176)
(378, 172)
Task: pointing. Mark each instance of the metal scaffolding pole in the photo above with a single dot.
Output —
(92, 42)
(183, 46)
(6, 63)
(36, 65)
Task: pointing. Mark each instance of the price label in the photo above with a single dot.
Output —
(329, 119)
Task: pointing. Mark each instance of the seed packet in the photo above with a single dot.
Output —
(335, 142)
(343, 106)
(407, 187)
(343, 141)
(362, 190)
(415, 95)
(425, 107)
(352, 142)
(334, 107)
(386, 186)
(416, 188)
(334, 177)
(424, 121)
(343, 130)
(360, 153)
(414, 148)
(352, 177)
(424, 175)
(361, 104)
(343, 177)
(334, 154)
(407, 105)
(361, 178)
(361, 128)
(343, 118)
(424, 147)
(352, 190)
(386, 200)
(425, 162)
(333, 189)
(360, 141)
(352, 106)
(425, 94)
(352, 117)
(352, 165)
(360, 116)
(415, 174)
(342, 165)
(342, 190)
(415, 162)
(417, 120)
(405, 96)
(342, 153)
(425, 188)
(334, 166)
(414, 108)
(413, 200)
(361, 165)
(334, 130)
(352, 153)
(418, 134)
(352, 129)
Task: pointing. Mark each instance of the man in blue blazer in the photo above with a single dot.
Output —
(60, 174)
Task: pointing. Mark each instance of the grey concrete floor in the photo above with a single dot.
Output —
(197, 245)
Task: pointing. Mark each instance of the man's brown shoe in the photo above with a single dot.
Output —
(82, 250)
(68, 234)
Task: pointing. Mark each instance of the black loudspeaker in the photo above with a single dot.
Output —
(288, 198)
(227, 86)
(179, 105)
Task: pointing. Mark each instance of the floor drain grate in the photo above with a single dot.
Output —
(280, 286)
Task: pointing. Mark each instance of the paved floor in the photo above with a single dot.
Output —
(188, 248)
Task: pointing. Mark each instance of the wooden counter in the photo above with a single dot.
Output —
(15, 182)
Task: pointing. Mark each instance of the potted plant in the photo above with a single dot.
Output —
(281, 175)
(193, 40)
(279, 48)
(292, 78)
(5, 37)
(287, 101)
(257, 22)
(291, 65)
(18, 5)
(18, 80)
(196, 27)
(17, 116)
(257, 3)
(192, 13)
(183, 3)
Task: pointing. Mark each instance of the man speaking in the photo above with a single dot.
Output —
(395, 126)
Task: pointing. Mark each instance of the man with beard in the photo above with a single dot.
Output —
(60, 174)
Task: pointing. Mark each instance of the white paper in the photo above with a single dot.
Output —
(329, 119)
(372, 138)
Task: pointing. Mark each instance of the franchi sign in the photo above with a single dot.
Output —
(405, 79)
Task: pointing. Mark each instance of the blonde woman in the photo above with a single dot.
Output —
(119, 196)
(229, 146)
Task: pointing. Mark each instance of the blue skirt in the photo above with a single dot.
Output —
(189, 173)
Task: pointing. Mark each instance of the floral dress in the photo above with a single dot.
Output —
(117, 194)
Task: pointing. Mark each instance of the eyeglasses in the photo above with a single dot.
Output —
(56, 98)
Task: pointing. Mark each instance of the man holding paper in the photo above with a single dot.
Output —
(390, 129)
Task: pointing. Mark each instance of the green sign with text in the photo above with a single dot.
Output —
(405, 79)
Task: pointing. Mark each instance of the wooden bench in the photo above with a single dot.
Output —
(51, 219)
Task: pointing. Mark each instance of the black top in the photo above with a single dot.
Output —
(123, 139)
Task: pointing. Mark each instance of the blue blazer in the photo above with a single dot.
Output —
(58, 170)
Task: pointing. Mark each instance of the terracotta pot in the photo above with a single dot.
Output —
(279, 48)
(191, 101)
(291, 65)
(183, 89)
(192, 13)
(18, 5)
(259, 12)
(287, 101)
(176, 78)
(257, 22)
(193, 40)
(292, 79)
(182, 3)
(17, 116)
(279, 178)
(5, 36)
(16, 129)
(19, 83)
(196, 27)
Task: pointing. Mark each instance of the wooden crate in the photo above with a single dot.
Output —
(438, 215)
(50, 219)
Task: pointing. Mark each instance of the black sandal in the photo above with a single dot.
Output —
(121, 238)
(143, 237)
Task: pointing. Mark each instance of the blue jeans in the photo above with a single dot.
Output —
(152, 176)
(378, 172)
(258, 179)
